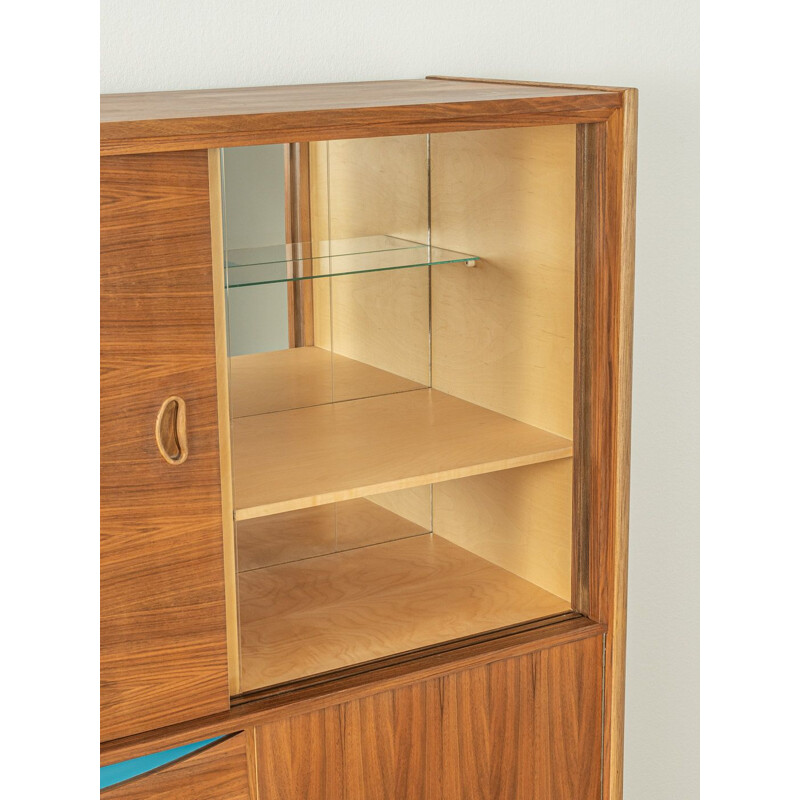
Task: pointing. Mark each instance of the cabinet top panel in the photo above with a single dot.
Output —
(198, 119)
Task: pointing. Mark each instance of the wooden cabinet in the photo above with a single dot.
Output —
(366, 375)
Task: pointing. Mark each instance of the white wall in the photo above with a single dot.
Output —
(187, 44)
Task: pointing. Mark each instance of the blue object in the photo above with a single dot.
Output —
(125, 770)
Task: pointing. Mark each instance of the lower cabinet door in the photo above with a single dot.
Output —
(524, 728)
(528, 727)
(218, 771)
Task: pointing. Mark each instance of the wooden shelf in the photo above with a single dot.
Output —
(324, 454)
(295, 535)
(325, 613)
(304, 376)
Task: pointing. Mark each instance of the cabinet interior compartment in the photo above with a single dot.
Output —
(399, 319)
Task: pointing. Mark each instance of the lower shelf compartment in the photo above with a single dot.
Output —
(313, 616)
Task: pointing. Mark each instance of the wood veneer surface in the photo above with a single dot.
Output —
(606, 210)
(528, 727)
(217, 772)
(522, 728)
(224, 414)
(304, 376)
(300, 757)
(360, 681)
(158, 106)
(162, 629)
(201, 119)
(325, 613)
(378, 444)
(568, 697)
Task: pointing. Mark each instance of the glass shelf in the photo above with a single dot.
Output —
(294, 262)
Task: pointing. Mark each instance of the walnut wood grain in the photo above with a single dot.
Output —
(538, 84)
(313, 695)
(488, 726)
(300, 294)
(392, 744)
(622, 137)
(568, 725)
(300, 757)
(522, 727)
(605, 253)
(163, 651)
(526, 727)
(382, 747)
(218, 771)
(224, 413)
(161, 121)
(588, 239)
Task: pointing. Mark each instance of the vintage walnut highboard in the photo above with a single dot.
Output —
(365, 403)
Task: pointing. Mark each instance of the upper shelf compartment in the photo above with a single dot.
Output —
(293, 262)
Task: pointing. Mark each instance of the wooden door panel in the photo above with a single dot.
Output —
(382, 747)
(488, 731)
(569, 724)
(217, 772)
(163, 638)
(392, 744)
(300, 758)
(526, 727)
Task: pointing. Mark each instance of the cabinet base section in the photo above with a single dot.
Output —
(520, 722)
(304, 697)
(326, 613)
(524, 727)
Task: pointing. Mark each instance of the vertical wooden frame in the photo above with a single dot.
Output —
(297, 190)
(224, 416)
(606, 154)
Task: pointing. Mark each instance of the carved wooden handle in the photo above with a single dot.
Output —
(171, 430)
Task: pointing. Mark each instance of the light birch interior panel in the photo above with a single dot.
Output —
(323, 454)
(503, 333)
(503, 330)
(519, 519)
(364, 187)
(325, 613)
